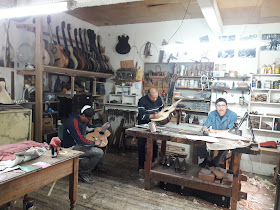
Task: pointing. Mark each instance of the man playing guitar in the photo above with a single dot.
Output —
(74, 133)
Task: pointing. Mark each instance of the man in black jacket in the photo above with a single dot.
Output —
(74, 133)
(148, 108)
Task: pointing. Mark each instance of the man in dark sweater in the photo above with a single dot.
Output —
(148, 108)
(74, 133)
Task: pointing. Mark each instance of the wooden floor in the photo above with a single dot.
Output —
(121, 187)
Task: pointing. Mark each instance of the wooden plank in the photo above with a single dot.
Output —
(190, 179)
(38, 82)
(148, 163)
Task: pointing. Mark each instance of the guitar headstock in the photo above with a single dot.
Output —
(98, 38)
(63, 25)
(57, 29)
(112, 119)
(75, 32)
(49, 19)
(68, 27)
(80, 31)
(89, 32)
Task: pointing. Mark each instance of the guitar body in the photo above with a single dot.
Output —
(59, 58)
(4, 95)
(123, 47)
(45, 54)
(80, 51)
(66, 58)
(51, 55)
(99, 135)
(166, 115)
(81, 63)
(72, 57)
(54, 49)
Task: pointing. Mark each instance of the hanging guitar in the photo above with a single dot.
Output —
(66, 58)
(101, 134)
(90, 65)
(93, 47)
(73, 63)
(92, 55)
(59, 59)
(81, 52)
(166, 114)
(105, 58)
(47, 57)
(123, 47)
(81, 63)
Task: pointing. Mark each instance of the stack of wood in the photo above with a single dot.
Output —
(214, 175)
(259, 97)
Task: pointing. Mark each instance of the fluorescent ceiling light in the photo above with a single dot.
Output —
(33, 10)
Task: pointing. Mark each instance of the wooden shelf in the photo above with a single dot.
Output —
(45, 102)
(196, 111)
(266, 75)
(259, 89)
(232, 78)
(256, 102)
(269, 131)
(115, 104)
(185, 88)
(192, 99)
(189, 77)
(233, 89)
(67, 72)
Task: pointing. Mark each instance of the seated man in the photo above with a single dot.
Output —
(74, 133)
(220, 120)
(148, 108)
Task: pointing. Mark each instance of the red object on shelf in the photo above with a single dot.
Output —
(269, 144)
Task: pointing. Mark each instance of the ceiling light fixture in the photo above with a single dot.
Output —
(33, 10)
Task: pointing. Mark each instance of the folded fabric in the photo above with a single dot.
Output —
(7, 152)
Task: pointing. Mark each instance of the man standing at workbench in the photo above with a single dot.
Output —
(220, 120)
(148, 108)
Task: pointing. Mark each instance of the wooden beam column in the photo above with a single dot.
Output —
(39, 82)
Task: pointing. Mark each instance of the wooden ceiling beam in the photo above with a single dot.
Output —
(212, 15)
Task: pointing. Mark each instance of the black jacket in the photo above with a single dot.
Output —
(147, 107)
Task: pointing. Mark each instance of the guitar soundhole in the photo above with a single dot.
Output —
(101, 133)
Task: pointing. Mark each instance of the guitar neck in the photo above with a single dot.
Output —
(71, 43)
(50, 33)
(64, 39)
(81, 40)
(85, 38)
(57, 36)
(175, 104)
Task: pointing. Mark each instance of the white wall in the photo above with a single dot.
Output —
(190, 32)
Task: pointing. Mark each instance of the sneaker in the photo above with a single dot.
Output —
(102, 170)
(85, 178)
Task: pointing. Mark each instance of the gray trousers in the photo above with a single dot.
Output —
(92, 157)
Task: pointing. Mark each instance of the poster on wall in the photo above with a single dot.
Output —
(273, 42)
(247, 52)
(225, 52)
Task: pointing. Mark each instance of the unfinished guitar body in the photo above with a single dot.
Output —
(99, 134)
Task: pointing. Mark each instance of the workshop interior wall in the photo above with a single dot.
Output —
(139, 34)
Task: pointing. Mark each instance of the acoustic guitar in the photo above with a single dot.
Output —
(66, 58)
(81, 63)
(81, 52)
(105, 58)
(4, 95)
(59, 59)
(73, 63)
(91, 55)
(166, 114)
(46, 57)
(123, 46)
(101, 134)
(90, 67)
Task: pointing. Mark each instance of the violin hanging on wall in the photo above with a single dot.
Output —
(123, 46)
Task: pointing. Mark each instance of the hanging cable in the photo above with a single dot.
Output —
(181, 22)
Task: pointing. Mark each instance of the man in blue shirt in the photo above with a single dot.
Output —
(220, 120)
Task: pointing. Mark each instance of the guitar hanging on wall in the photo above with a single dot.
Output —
(123, 47)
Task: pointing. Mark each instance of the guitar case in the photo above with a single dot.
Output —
(123, 47)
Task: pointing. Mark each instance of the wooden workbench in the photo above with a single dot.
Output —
(14, 185)
(190, 179)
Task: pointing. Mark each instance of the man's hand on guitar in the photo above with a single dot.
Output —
(155, 116)
(97, 142)
(106, 125)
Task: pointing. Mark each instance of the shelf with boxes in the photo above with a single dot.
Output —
(124, 94)
(264, 102)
